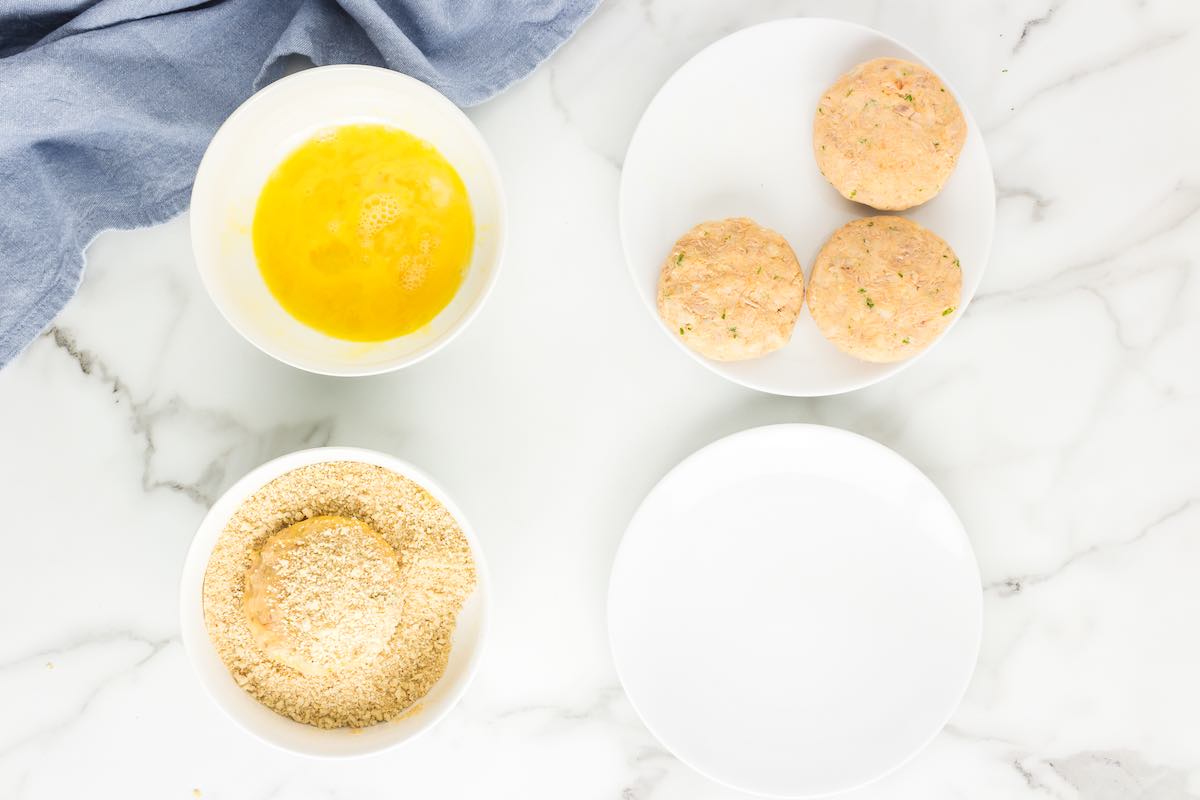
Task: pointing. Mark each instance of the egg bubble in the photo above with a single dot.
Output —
(378, 211)
(412, 274)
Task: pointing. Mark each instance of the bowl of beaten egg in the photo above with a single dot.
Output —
(348, 220)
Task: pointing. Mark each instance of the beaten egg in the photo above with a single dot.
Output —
(364, 232)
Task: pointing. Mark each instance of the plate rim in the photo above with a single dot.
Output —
(624, 188)
(766, 431)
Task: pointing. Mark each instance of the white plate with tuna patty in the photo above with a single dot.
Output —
(730, 134)
(795, 610)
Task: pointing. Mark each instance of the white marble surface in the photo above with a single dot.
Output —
(1060, 417)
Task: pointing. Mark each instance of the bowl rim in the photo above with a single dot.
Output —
(193, 630)
(891, 369)
(204, 177)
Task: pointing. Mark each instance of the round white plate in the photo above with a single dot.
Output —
(795, 610)
(730, 134)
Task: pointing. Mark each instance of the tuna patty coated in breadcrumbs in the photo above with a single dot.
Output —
(731, 290)
(888, 134)
(883, 288)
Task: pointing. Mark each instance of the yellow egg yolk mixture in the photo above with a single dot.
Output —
(364, 232)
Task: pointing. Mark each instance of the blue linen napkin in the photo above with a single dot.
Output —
(106, 106)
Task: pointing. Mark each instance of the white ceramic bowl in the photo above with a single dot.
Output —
(253, 141)
(467, 647)
(730, 135)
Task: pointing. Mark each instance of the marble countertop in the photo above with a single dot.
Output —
(1060, 417)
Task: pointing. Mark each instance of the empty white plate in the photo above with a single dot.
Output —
(795, 610)
(730, 135)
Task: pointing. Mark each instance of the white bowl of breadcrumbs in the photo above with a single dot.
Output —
(334, 602)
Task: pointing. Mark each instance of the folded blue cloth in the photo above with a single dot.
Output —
(106, 106)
